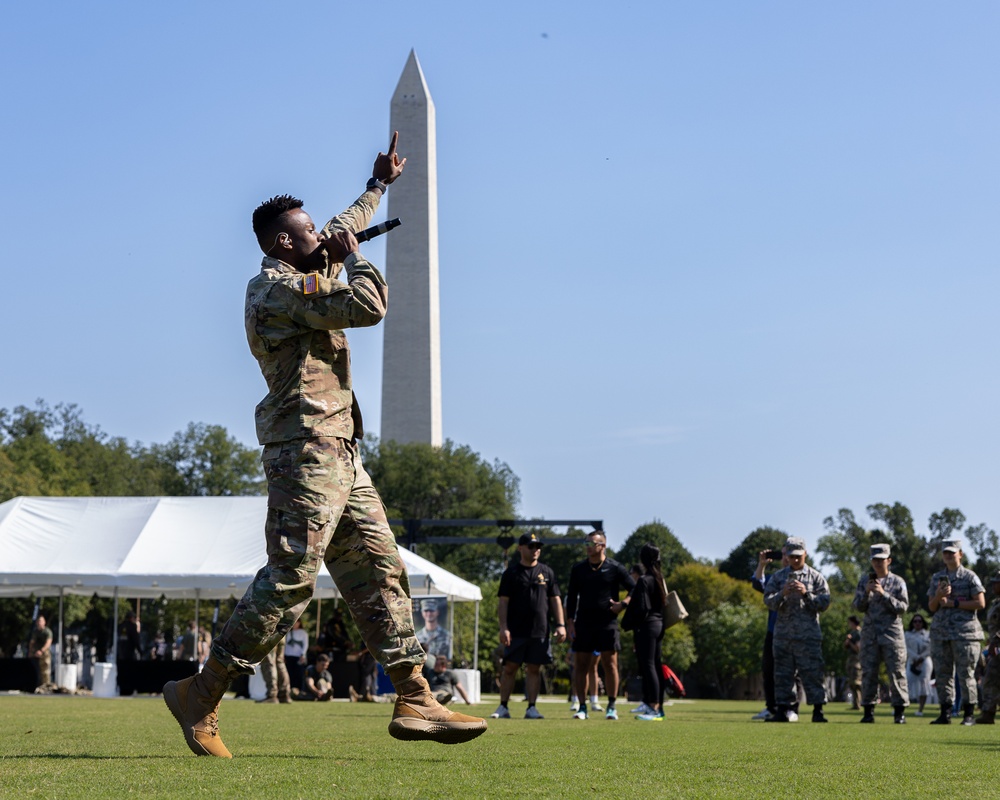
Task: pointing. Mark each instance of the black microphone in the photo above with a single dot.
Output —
(377, 230)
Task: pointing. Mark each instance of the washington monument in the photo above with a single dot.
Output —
(411, 361)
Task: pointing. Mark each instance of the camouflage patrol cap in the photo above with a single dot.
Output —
(879, 551)
(951, 545)
(429, 604)
(794, 546)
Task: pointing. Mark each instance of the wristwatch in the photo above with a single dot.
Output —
(375, 183)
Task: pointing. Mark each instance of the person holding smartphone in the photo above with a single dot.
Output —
(883, 598)
(955, 596)
(798, 593)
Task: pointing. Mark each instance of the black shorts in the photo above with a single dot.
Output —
(600, 639)
(523, 650)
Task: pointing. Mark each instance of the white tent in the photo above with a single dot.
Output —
(201, 548)
(178, 547)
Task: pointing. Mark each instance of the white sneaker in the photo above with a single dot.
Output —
(793, 717)
(574, 706)
(500, 713)
(642, 708)
(612, 713)
(596, 707)
(761, 716)
(532, 713)
(581, 714)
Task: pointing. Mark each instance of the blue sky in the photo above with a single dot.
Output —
(723, 264)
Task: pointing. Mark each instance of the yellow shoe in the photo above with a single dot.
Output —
(194, 702)
(417, 716)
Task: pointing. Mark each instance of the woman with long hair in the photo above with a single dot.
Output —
(645, 609)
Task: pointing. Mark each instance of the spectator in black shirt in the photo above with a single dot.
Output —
(592, 608)
(528, 594)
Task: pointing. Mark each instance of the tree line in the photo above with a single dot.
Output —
(53, 451)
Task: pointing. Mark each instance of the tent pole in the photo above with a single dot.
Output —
(114, 633)
(319, 616)
(197, 622)
(451, 628)
(475, 643)
(62, 658)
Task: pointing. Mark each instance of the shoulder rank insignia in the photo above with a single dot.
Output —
(310, 283)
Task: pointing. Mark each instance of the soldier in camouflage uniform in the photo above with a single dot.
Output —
(954, 597)
(433, 637)
(40, 652)
(798, 594)
(322, 506)
(275, 674)
(991, 678)
(883, 598)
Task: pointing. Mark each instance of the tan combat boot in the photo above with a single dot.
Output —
(417, 716)
(194, 702)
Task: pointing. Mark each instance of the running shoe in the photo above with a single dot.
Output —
(653, 717)
(597, 708)
(612, 713)
(532, 713)
(500, 713)
(761, 715)
(581, 714)
(642, 708)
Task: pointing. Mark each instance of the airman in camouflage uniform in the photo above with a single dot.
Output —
(954, 597)
(991, 678)
(883, 598)
(322, 506)
(798, 593)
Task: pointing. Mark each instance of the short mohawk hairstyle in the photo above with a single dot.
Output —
(267, 212)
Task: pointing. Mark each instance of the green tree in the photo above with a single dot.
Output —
(742, 560)
(205, 461)
(679, 651)
(702, 588)
(419, 481)
(833, 624)
(944, 524)
(986, 546)
(845, 547)
(672, 552)
(729, 639)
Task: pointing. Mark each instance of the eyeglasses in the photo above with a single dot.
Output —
(594, 544)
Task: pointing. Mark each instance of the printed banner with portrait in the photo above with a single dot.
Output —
(430, 618)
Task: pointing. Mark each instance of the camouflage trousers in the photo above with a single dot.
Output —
(949, 655)
(991, 681)
(275, 673)
(322, 507)
(804, 656)
(891, 652)
(43, 668)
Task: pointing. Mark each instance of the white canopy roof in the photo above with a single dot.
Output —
(180, 547)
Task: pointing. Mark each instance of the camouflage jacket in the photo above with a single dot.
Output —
(883, 613)
(294, 326)
(798, 617)
(957, 623)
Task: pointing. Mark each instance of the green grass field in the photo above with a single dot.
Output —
(82, 747)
